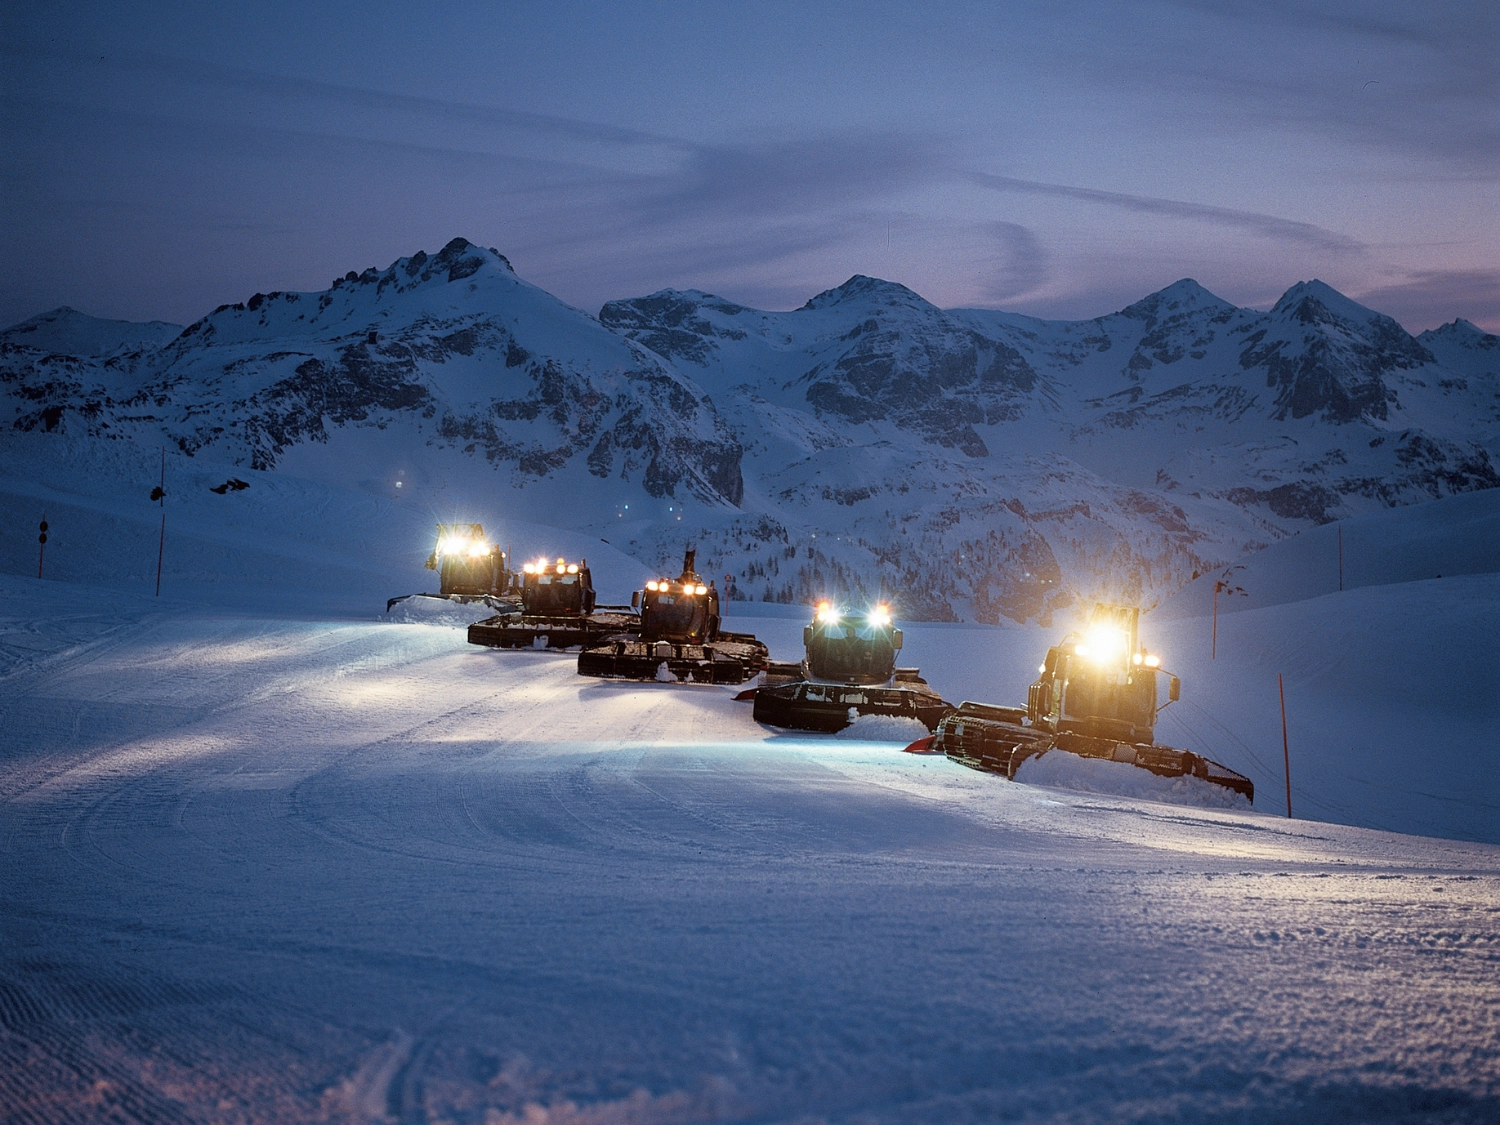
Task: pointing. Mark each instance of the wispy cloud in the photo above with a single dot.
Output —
(820, 173)
(1268, 226)
(1023, 266)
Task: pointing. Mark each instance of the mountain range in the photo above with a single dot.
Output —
(969, 463)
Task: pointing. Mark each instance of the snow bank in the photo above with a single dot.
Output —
(424, 610)
(1061, 770)
(884, 728)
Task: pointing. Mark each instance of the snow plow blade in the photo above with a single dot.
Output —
(493, 601)
(995, 739)
(723, 661)
(831, 707)
(515, 630)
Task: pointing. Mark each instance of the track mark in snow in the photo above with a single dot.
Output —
(366, 1095)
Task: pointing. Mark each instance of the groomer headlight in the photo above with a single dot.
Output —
(827, 613)
(1103, 644)
(880, 615)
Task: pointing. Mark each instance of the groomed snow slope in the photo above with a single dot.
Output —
(293, 870)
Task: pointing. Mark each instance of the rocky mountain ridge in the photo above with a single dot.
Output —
(972, 463)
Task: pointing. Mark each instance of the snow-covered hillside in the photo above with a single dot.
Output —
(970, 464)
(266, 867)
(271, 854)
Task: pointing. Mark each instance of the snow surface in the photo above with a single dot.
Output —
(271, 867)
(883, 728)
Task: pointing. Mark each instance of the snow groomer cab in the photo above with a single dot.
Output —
(680, 638)
(849, 670)
(469, 567)
(558, 610)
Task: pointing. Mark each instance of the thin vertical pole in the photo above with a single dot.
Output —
(41, 545)
(161, 545)
(1341, 558)
(1286, 754)
(1213, 653)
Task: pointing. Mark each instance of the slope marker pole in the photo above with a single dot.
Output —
(1213, 651)
(161, 545)
(1286, 754)
(41, 545)
(1341, 557)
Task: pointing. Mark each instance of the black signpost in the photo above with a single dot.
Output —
(159, 494)
(42, 550)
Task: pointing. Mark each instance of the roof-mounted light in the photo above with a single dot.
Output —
(880, 616)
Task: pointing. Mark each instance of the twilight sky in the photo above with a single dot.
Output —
(1058, 158)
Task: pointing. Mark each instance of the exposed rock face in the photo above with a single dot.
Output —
(1230, 424)
(972, 464)
(453, 343)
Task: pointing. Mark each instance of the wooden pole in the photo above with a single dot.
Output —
(161, 545)
(1286, 754)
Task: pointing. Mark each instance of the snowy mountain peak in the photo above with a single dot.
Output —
(1316, 302)
(1462, 333)
(68, 331)
(869, 288)
(459, 259)
(1181, 297)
